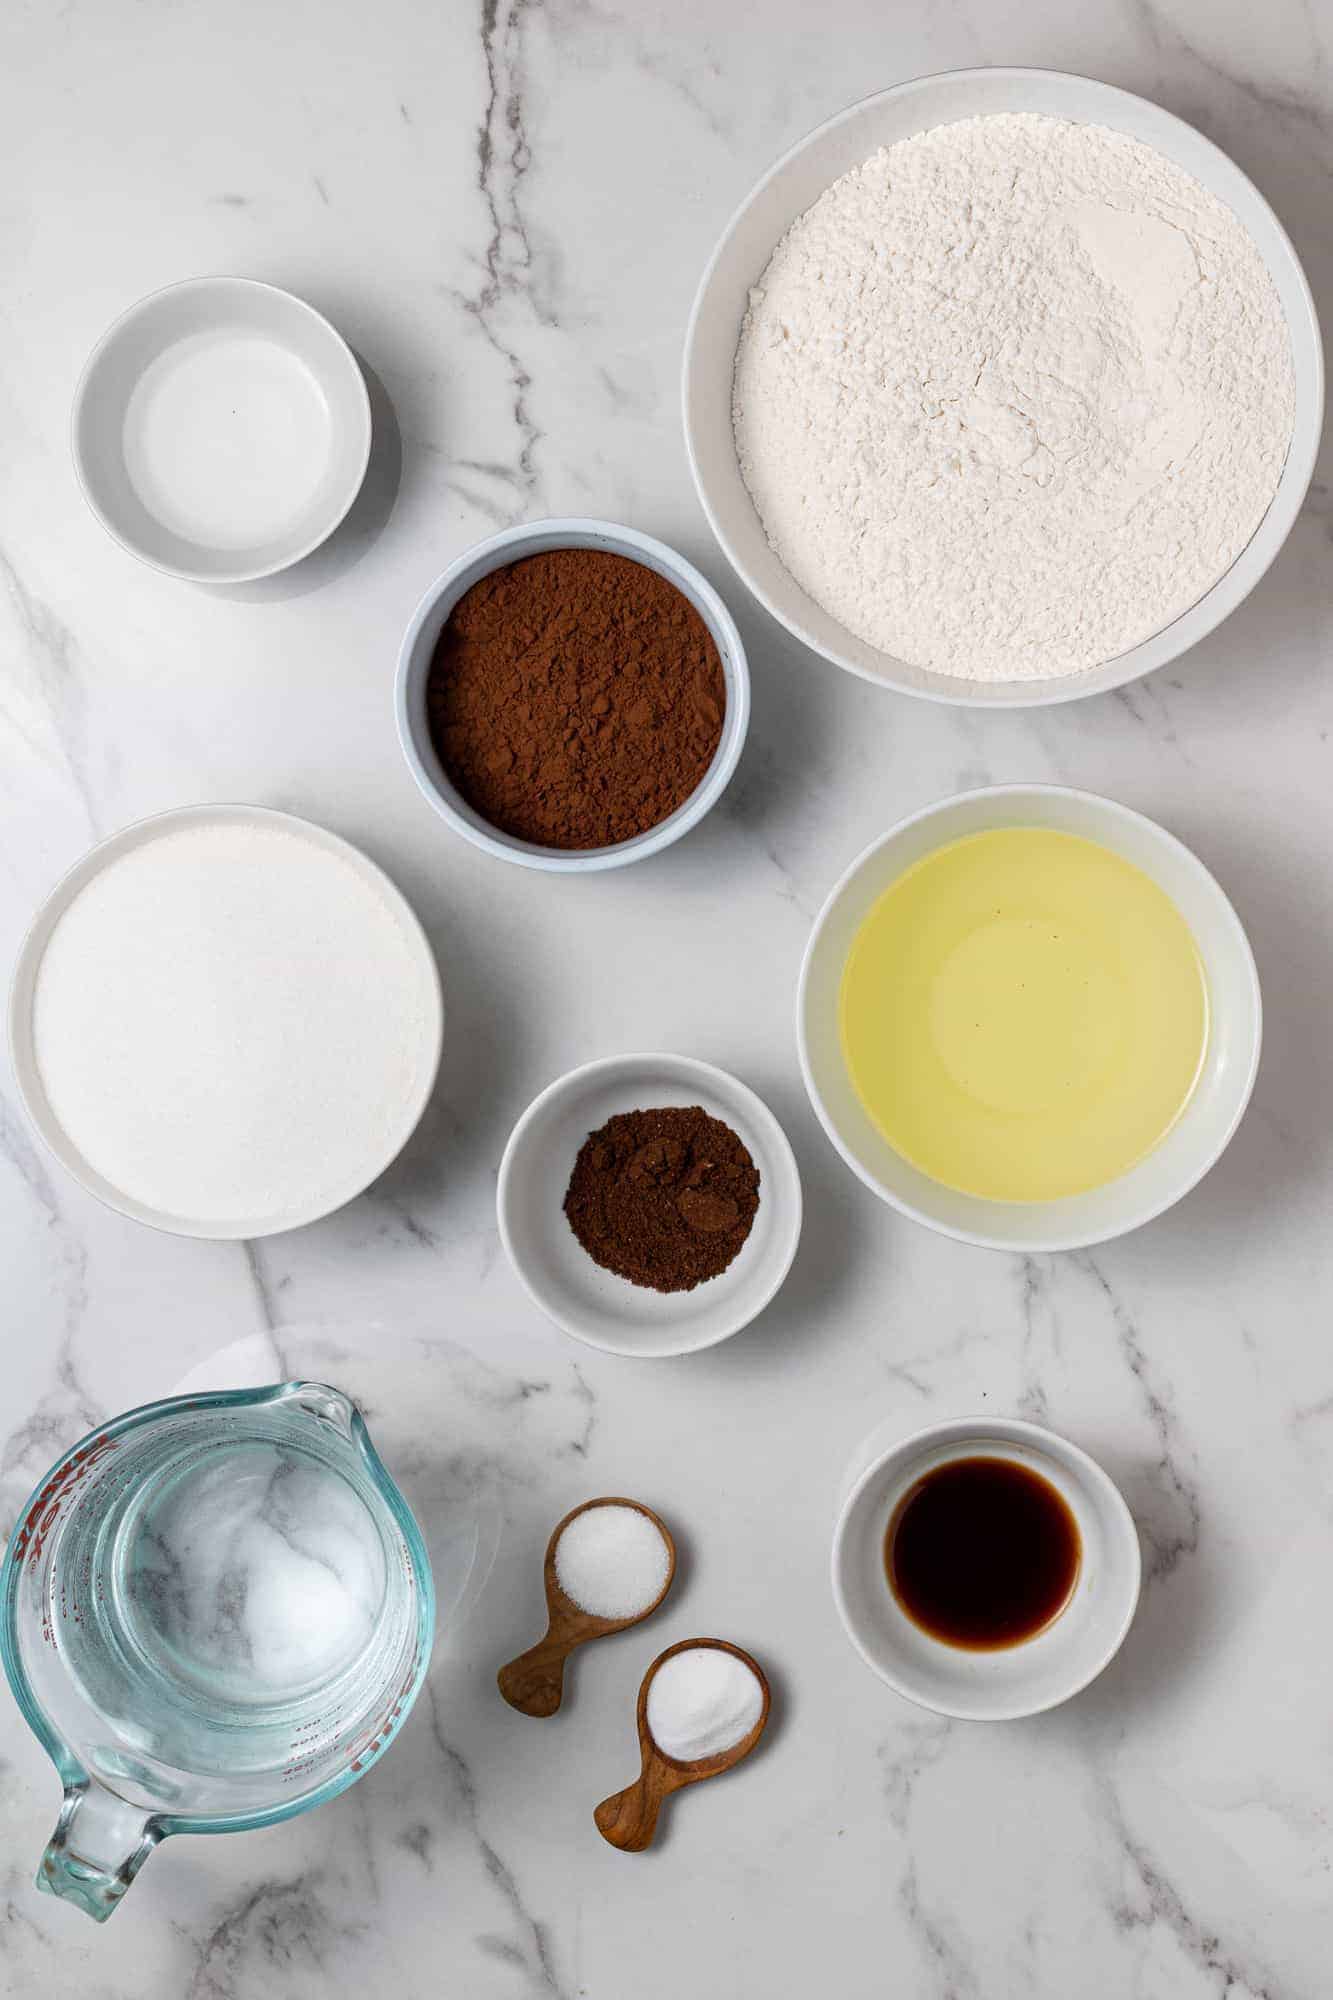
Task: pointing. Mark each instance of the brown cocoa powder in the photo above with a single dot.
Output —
(575, 698)
(663, 1198)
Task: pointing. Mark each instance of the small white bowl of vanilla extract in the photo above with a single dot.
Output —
(986, 1568)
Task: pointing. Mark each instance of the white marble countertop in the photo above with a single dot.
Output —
(506, 208)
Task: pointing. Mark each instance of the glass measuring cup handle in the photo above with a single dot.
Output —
(99, 1845)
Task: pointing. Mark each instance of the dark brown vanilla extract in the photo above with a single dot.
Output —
(983, 1553)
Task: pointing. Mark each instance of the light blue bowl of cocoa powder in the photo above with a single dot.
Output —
(418, 649)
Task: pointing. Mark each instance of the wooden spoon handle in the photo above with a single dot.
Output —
(629, 1819)
(534, 1683)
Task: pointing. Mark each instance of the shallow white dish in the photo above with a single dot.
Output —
(221, 429)
(1017, 1680)
(418, 648)
(425, 993)
(797, 180)
(1194, 1142)
(597, 1306)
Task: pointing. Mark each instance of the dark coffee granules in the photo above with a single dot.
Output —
(575, 698)
(663, 1198)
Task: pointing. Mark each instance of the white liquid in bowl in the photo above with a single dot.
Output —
(228, 438)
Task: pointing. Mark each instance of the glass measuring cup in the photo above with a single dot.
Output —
(214, 1613)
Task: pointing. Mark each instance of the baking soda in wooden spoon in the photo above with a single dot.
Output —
(703, 1706)
(702, 1702)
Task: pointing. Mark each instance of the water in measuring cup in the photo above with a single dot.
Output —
(251, 1578)
(227, 1610)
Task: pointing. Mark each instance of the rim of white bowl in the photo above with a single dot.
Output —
(209, 282)
(724, 1085)
(1222, 597)
(496, 552)
(1038, 1243)
(33, 1098)
(988, 1430)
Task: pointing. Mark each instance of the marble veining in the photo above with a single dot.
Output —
(525, 1942)
(512, 289)
(506, 206)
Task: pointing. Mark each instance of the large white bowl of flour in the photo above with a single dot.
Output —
(225, 1021)
(1003, 388)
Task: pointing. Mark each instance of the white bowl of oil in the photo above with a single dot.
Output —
(1021, 1042)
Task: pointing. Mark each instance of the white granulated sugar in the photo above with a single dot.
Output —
(701, 1702)
(612, 1561)
(231, 1022)
(1012, 396)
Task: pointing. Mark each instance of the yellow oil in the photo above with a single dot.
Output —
(1024, 1014)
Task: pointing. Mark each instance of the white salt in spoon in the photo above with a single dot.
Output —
(603, 1573)
(698, 1716)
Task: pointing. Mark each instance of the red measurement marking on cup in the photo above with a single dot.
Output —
(382, 1728)
(44, 1512)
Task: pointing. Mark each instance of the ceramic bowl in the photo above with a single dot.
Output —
(595, 1305)
(1013, 1681)
(221, 430)
(1199, 1135)
(422, 971)
(790, 187)
(418, 648)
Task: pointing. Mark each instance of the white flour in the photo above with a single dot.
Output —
(232, 1024)
(1012, 396)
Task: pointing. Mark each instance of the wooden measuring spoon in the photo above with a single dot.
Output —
(629, 1819)
(534, 1683)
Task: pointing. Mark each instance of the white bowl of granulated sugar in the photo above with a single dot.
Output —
(225, 1021)
(1003, 388)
